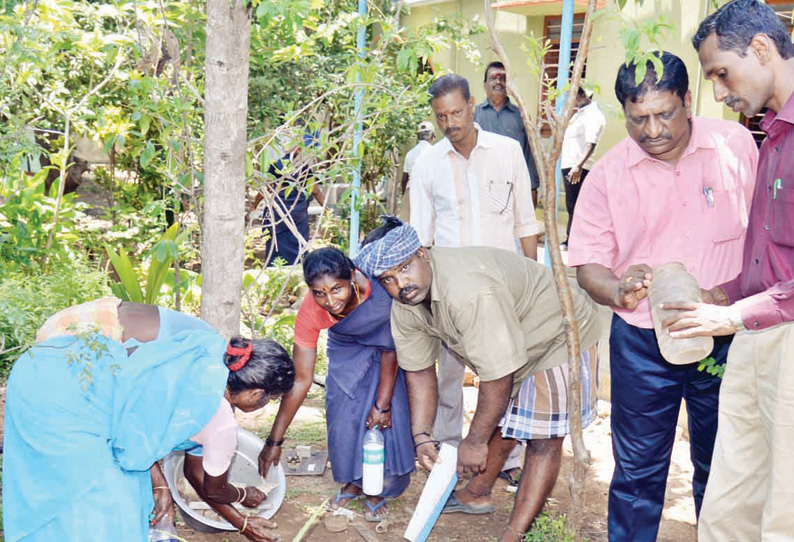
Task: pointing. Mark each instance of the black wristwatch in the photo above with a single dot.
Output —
(273, 443)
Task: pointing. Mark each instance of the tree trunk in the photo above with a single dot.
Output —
(225, 111)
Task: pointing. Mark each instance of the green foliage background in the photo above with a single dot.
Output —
(27, 299)
(148, 118)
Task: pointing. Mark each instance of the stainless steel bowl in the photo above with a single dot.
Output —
(244, 471)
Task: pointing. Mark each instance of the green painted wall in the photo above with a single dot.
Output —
(606, 53)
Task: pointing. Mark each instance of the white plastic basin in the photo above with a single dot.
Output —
(244, 471)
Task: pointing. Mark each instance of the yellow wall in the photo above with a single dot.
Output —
(606, 53)
(512, 29)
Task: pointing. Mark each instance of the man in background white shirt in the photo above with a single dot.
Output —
(426, 134)
(578, 148)
(472, 188)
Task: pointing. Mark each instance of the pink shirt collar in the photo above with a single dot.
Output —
(786, 115)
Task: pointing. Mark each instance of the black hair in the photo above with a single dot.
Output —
(327, 261)
(674, 79)
(269, 368)
(736, 24)
(449, 83)
(389, 223)
(581, 92)
(494, 64)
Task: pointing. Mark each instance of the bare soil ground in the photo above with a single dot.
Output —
(305, 494)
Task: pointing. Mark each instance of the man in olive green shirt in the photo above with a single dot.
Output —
(500, 314)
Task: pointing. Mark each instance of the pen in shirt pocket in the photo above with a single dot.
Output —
(778, 185)
(708, 193)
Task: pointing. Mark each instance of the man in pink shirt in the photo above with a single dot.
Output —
(747, 53)
(677, 189)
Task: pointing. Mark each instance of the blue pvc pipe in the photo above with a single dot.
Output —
(566, 37)
(361, 47)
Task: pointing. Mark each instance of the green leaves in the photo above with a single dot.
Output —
(28, 297)
(164, 253)
(128, 289)
(642, 40)
(161, 255)
(622, 3)
(26, 220)
(406, 60)
(711, 366)
(147, 154)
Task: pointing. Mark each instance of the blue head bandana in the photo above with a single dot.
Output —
(394, 248)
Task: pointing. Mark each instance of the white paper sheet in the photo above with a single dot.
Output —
(434, 496)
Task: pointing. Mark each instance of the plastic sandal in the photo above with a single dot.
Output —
(340, 496)
(512, 476)
(370, 514)
(454, 505)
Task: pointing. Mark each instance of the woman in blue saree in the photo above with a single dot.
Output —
(108, 390)
(364, 386)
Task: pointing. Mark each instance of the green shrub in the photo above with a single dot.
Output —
(26, 218)
(550, 528)
(28, 298)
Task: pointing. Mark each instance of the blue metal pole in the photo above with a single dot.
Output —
(361, 47)
(566, 37)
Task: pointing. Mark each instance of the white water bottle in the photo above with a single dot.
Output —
(374, 460)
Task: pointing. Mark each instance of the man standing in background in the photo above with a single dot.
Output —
(498, 115)
(578, 147)
(473, 189)
(290, 186)
(426, 134)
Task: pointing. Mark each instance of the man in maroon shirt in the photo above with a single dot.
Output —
(747, 53)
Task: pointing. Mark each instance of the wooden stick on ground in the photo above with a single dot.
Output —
(310, 522)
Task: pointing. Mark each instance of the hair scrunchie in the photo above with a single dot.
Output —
(244, 352)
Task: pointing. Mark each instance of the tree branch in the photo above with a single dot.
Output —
(65, 158)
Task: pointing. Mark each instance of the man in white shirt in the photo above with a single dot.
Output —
(471, 188)
(578, 149)
(426, 134)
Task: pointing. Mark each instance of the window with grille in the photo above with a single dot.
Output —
(552, 30)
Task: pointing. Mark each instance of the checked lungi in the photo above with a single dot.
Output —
(540, 409)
